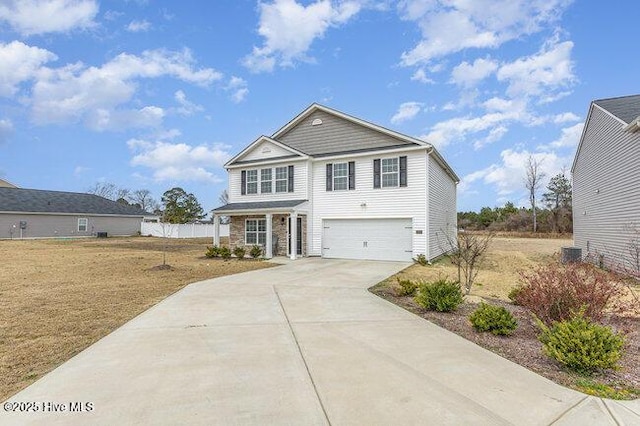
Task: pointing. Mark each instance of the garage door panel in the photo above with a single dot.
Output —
(367, 239)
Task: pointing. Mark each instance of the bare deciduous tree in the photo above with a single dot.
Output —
(143, 199)
(104, 189)
(533, 181)
(467, 251)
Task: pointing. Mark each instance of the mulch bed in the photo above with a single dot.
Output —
(523, 347)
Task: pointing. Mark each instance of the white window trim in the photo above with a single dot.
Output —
(265, 181)
(257, 231)
(257, 182)
(285, 179)
(397, 173)
(86, 224)
(345, 177)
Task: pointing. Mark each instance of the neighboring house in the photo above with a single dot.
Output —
(34, 213)
(6, 184)
(332, 185)
(606, 184)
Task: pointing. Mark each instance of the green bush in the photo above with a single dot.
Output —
(514, 293)
(407, 287)
(581, 345)
(239, 252)
(212, 252)
(495, 319)
(225, 253)
(256, 251)
(421, 259)
(441, 295)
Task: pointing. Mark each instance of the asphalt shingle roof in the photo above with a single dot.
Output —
(626, 108)
(42, 201)
(259, 205)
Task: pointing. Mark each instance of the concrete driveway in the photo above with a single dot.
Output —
(300, 344)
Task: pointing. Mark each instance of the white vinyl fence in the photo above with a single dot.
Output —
(187, 230)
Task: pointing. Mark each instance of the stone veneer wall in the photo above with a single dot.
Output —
(279, 229)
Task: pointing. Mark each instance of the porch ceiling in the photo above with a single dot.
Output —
(260, 207)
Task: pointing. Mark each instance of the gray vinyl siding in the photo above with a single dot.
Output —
(52, 225)
(606, 188)
(441, 209)
(334, 135)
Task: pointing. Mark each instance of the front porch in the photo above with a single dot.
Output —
(280, 228)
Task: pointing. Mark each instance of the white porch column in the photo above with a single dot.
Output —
(268, 250)
(216, 230)
(293, 217)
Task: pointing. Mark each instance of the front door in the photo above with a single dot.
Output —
(298, 236)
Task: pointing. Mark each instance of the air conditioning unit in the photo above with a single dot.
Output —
(101, 234)
(571, 254)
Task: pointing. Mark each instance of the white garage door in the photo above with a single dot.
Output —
(367, 239)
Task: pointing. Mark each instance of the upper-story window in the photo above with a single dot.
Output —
(282, 179)
(390, 172)
(252, 181)
(263, 181)
(341, 176)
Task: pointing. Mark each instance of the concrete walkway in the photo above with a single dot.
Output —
(300, 344)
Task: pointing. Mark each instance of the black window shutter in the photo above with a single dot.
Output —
(352, 175)
(403, 170)
(243, 183)
(376, 173)
(290, 189)
(329, 177)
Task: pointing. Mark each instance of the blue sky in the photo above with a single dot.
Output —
(156, 94)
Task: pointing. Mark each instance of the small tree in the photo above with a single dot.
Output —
(467, 251)
(558, 200)
(180, 207)
(533, 180)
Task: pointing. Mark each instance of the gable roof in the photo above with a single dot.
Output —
(6, 184)
(625, 108)
(42, 201)
(237, 159)
(313, 148)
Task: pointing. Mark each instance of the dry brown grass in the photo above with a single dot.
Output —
(498, 274)
(59, 296)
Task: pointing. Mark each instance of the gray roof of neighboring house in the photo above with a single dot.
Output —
(42, 201)
(259, 205)
(626, 108)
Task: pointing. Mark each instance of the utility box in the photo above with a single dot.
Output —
(571, 254)
(23, 224)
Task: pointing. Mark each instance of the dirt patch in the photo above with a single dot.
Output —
(497, 277)
(59, 296)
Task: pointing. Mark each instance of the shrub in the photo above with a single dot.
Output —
(407, 287)
(494, 319)
(256, 251)
(556, 292)
(212, 252)
(581, 344)
(225, 253)
(421, 259)
(441, 295)
(239, 252)
(514, 293)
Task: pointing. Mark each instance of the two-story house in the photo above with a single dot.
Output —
(332, 185)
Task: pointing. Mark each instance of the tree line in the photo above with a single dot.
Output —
(175, 206)
(555, 215)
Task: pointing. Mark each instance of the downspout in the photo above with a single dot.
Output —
(428, 227)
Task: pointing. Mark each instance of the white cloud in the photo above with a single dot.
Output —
(541, 74)
(449, 26)
(406, 111)
(139, 26)
(30, 17)
(238, 88)
(6, 130)
(565, 117)
(179, 161)
(98, 94)
(569, 137)
(421, 76)
(289, 28)
(186, 106)
(20, 63)
(469, 75)
(507, 177)
(80, 170)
